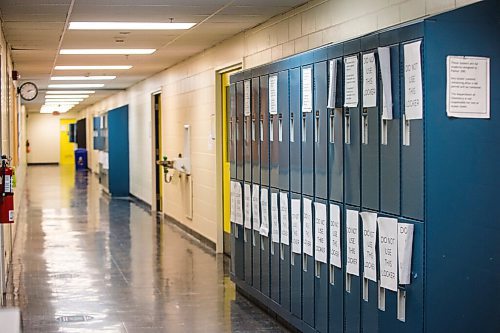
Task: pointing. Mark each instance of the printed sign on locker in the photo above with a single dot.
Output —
(275, 234)
(352, 224)
(264, 210)
(307, 97)
(248, 206)
(284, 218)
(351, 82)
(320, 232)
(384, 56)
(332, 84)
(405, 245)
(255, 207)
(413, 81)
(232, 205)
(369, 81)
(308, 230)
(335, 254)
(369, 242)
(296, 231)
(388, 247)
(238, 219)
(247, 97)
(273, 94)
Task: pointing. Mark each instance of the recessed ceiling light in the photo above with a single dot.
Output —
(129, 26)
(77, 85)
(70, 68)
(82, 78)
(57, 92)
(107, 51)
(65, 96)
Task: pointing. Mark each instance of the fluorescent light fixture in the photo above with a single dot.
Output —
(65, 96)
(126, 26)
(82, 78)
(77, 85)
(107, 51)
(59, 92)
(54, 108)
(64, 100)
(71, 68)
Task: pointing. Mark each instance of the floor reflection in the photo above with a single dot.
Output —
(84, 262)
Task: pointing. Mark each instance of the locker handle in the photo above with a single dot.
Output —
(280, 128)
(332, 126)
(383, 132)
(304, 128)
(406, 131)
(271, 130)
(401, 304)
(317, 269)
(316, 127)
(347, 131)
(348, 282)
(304, 263)
(245, 134)
(236, 235)
(272, 248)
(332, 275)
(292, 129)
(253, 129)
(253, 239)
(231, 129)
(364, 129)
(282, 251)
(261, 129)
(381, 297)
(365, 289)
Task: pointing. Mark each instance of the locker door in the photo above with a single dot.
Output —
(307, 133)
(275, 247)
(240, 141)
(285, 252)
(283, 130)
(265, 246)
(264, 134)
(321, 281)
(352, 292)
(320, 130)
(232, 130)
(274, 144)
(412, 160)
(247, 157)
(336, 274)
(295, 132)
(308, 267)
(296, 265)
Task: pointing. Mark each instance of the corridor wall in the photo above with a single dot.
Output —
(373, 166)
(189, 91)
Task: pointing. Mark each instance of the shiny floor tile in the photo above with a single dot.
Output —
(83, 262)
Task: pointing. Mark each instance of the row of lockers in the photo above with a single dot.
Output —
(345, 154)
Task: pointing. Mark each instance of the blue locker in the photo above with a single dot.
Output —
(265, 253)
(264, 131)
(295, 132)
(285, 269)
(284, 130)
(353, 292)
(232, 130)
(390, 142)
(320, 130)
(295, 273)
(336, 286)
(308, 279)
(307, 138)
(274, 146)
(275, 254)
(335, 129)
(412, 157)
(370, 126)
(238, 229)
(255, 130)
(321, 288)
(352, 136)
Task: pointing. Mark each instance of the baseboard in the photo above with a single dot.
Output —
(43, 163)
(140, 202)
(204, 240)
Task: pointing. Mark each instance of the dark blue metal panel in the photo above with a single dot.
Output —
(275, 255)
(321, 289)
(462, 182)
(118, 143)
(240, 162)
(247, 239)
(274, 145)
(284, 130)
(265, 255)
(336, 288)
(390, 157)
(295, 274)
(370, 126)
(295, 132)
(412, 160)
(308, 278)
(352, 136)
(285, 269)
(255, 130)
(232, 130)
(264, 127)
(307, 133)
(320, 130)
(247, 141)
(336, 140)
(353, 297)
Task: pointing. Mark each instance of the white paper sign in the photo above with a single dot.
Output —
(308, 229)
(369, 81)
(405, 249)
(264, 210)
(275, 222)
(248, 205)
(232, 205)
(335, 254)
(285, 237)
(352, 224)
(307, 98)
(384, 57)
(413, 81)
(369, 242)
(332, 84)
(388, 247)
(255, 207)
(273, 94)
(247, 97)
(320, 234)
(468, 87)
(238, 214)
(296, 228)
(351, 82)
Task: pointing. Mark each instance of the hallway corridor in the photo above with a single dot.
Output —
(85, 263)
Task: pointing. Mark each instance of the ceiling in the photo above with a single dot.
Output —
(37, 29)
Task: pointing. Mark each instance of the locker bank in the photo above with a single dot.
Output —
(378, 167)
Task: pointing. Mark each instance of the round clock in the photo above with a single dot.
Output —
(28, 91)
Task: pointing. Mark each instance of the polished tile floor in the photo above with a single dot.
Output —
(85, 263)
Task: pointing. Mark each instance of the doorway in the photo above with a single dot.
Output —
(157, 152)
(67, 142)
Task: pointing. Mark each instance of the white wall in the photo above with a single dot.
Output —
(189, 90)
(43, 135)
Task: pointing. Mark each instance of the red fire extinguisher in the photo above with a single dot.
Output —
(7, 192)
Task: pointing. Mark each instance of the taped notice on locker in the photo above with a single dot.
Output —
(369, 248)
(405, 245)
(247, 98)
(275, 223)
(307, 93)
(335, 254)
(384, 56)
(296, 227)
(320, 232)
(413, 81)
(308, 229)
(352, 224)
(273, 94)
(238, 204)
(332, 84)
(388, 247)
(264, 210)
(351, 83)
(285, 237)
(255, 207)
(369, 80)
(232, 205)
(248, 205)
